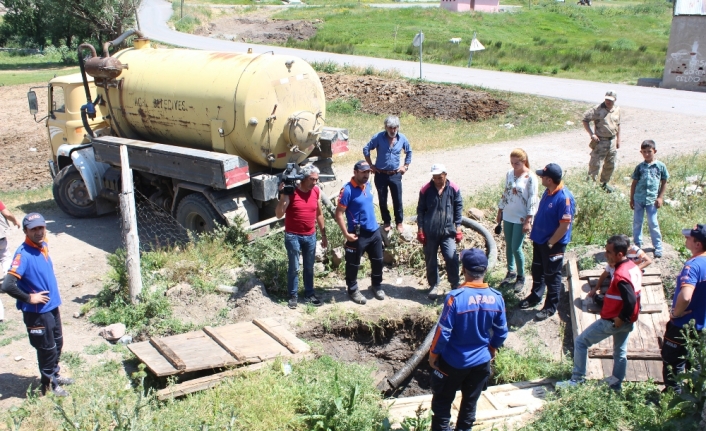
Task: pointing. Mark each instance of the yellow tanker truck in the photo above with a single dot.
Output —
(209, 134)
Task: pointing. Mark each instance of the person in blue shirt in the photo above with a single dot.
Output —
(31, 281)
(471, 328)
(551, 232)
(388, 173)
(689, 303)
(361, 230)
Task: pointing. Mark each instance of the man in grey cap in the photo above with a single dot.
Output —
(31, 281)
(605, 138)
(439, 213)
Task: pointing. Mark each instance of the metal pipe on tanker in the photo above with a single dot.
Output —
(120, 39)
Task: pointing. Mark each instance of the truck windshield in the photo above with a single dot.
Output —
(57, 99)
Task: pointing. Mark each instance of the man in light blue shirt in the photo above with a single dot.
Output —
(388, 172)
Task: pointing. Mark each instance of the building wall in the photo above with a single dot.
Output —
(457, 5)
(486, 5)
(685, 66)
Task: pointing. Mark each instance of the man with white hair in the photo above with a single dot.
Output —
(303, 211)
(388, 173)
(439, 213)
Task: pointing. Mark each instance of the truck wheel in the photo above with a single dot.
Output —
(197, 214)
(71, 194)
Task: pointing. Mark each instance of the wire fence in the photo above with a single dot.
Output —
(156, 227)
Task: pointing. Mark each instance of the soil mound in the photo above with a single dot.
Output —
(258, 30)
(395, 96)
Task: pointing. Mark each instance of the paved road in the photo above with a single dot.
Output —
(154, 14)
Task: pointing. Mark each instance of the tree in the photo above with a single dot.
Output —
(38, 22)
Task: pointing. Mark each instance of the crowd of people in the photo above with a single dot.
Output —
(472, 325)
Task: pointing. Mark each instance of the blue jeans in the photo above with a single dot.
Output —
(652, 223)
(306, 245)
(595, 333)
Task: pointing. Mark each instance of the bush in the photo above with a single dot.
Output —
(344, 106)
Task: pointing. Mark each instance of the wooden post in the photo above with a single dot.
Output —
(129, 219)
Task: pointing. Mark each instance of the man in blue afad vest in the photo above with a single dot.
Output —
(31, 281)
(471, 328)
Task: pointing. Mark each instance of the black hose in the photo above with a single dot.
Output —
(421, 352)
(413, 362)
(82, 67)
(84, 120)
(119, 40)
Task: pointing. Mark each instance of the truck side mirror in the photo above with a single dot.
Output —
(33, 104)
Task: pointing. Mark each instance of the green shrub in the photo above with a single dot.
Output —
(344, 106)
(533, 363)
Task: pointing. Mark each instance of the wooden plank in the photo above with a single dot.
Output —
(277, 331)
(151, 357)
(497, 405)
(592, 307)
(646, 281)
(484, 415)
(199, 351)
(168, 353)
(599, 353)
(211, 381)
(228, 347)
(520, 385)
(591, 273)
(251, 341)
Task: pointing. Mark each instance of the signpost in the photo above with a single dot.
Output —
(419, 41)
(475, 46)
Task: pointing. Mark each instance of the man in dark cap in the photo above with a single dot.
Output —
(689, 303)
(551, 232)
(31, 281)
(605, 139)
(361, 230)
(471, 328)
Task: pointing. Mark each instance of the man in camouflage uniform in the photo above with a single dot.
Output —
(605, 139)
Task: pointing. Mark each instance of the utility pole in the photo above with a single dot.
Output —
(128, 214)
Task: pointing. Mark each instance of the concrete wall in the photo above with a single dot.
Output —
(685, 66)
(486, 5)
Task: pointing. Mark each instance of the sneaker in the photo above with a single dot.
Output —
(57, 390)
(568, 384)
(434, 292)
(543, 315)
(658, 254)
(64, 381)
(526, 303)
(519, 284)
(357, 297)
(292, 303)
(313, 300)
(377, 292)
(607, 188)
(613, 383)
(509, 278)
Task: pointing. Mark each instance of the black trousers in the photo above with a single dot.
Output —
(472, 381)
(370, 242)
(546, 272)
(673, 355)
(45, 335)
(394, 183)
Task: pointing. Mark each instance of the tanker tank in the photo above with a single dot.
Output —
(268, 109)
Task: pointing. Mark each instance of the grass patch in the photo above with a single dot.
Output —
(17, 68)
(192, 18)
(550, 38)
(533, 362)
(318, 394)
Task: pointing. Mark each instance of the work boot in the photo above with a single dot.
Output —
(509, 278)
(57, 390)
(434, 292)
(378, 293)
(519, 284)
(357, 297)
(607, 188)
(292, 303)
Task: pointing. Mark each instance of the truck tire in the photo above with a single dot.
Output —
(71, 194)
(197, 214)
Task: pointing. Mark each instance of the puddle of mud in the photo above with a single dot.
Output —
(387, 349)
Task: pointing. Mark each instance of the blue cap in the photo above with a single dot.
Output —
(552, 171)
(33, 220)
(474, 260)
(362, 166)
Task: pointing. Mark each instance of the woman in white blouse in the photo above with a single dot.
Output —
(516, 208)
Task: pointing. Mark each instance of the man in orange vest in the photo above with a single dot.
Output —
(621, 308)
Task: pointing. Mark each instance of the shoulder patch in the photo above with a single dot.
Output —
(16, 261)
(454, 186)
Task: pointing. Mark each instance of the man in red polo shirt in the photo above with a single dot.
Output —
(303, 211)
